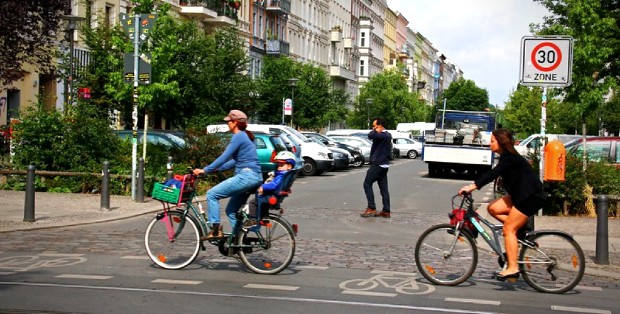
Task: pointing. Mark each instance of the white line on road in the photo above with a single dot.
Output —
(311, 267)
(76, 276)
(368, 293)
(53, 254)
(578, 309)
(270, 287)
(474, 301)
(7, 272)
(136, 257)
(177, 282)
(588, 288)
(238, 296)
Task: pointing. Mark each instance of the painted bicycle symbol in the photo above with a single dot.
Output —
(403, 283)
(30, 262)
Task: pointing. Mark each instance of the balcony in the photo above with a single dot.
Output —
(258, 44)
(277, 47)
(279, 7)
(340, 72)
(221, 12)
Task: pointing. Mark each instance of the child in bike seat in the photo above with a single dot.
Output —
(285, 162)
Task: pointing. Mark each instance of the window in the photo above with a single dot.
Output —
(362, 68)
(260, 143)
(363, 39)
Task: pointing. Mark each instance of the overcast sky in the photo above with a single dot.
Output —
(482, 37)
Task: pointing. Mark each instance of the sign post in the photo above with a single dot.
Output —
(546, 61)
(138, 28)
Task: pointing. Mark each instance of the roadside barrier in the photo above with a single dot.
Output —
(602, 234)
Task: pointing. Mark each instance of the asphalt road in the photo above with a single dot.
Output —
(343, 263)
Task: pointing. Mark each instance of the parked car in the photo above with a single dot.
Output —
(363, 144)
(267, 146)
(533, 142)
(355, 152)
(598, 149)
(168, 139)
(294, 146)
(342, 158)
(407, 147)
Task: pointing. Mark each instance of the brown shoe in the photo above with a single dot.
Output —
(369, 212)
(383, 214)
(214, 234)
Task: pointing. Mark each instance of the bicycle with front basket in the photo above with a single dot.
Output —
(173, 237)
(446, 254)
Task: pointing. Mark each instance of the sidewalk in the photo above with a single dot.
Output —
(64, 209)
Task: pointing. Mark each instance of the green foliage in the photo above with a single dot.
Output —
(464, 95)
(390, 100)
(604, 179)
(523, 111)
(595, 26)
(610, 113)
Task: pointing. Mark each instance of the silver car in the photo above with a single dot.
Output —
(356, 141)
(407, 147)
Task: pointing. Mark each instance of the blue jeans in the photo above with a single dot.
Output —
(234, 187)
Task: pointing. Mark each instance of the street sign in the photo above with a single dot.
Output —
(288, 107)
(147, 21)
(144, 68)
(546, 61)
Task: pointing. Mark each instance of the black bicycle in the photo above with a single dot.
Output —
(446, 254)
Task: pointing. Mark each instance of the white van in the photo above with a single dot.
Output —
(533, 142)
(317, 158)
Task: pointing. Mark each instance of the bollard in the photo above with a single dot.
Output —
(105, 186)
(602, 245)
(140, 183)
(29, 202)
(170, 168)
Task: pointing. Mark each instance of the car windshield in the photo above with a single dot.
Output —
(299, 135)
(316, 140)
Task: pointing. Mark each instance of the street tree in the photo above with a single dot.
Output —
(595, 26)
(523, 111)
(273, 88)
(463, 94)
(29, 30)
(386, 95)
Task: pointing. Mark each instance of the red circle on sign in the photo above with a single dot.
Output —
(552, 66)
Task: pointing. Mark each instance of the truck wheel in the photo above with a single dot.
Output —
(309, 168)
(412, 154)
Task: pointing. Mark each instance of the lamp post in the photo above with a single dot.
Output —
(69, 35)
(368, 103)
(292, 82)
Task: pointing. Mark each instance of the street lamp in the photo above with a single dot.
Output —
(292, 82)
(69, 35)
(368, 103)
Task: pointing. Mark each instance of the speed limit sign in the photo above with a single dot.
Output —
(546, 61)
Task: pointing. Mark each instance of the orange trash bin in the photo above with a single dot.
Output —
(555, 161)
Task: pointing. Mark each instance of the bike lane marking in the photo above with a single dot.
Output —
(271, 287)
(76, 276)
(177, 282)
(578, 309)
(474, 301)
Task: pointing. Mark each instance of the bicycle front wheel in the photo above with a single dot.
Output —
(552, 262)
(172, 240)
(444, 259)
(270, 248)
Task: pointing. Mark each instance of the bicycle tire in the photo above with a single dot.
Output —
(553, 263)
(498, 188)
(176, 253)
(269, 248)
(432, 262)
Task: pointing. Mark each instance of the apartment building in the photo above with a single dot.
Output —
(351, 39)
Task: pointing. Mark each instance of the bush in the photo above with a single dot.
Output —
(603, 177)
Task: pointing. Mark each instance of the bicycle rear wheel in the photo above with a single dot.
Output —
(552, 262)
(444, 259)
(172, 240)
(270, 248)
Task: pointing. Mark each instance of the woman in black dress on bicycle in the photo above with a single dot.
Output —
(524, 197)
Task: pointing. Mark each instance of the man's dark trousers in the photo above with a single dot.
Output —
(377, 174)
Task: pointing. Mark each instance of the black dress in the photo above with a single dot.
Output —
(520, 182)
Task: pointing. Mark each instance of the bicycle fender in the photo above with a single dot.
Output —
(551, 232)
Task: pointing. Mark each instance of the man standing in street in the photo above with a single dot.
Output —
(378, 169)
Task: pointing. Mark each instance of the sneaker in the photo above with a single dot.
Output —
(250, 223)
(369, 212)
(383, 214)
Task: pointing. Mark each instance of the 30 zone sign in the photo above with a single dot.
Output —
(546, 61)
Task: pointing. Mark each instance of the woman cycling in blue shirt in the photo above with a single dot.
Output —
(240, 154)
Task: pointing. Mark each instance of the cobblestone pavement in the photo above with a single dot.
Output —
(362, 254)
